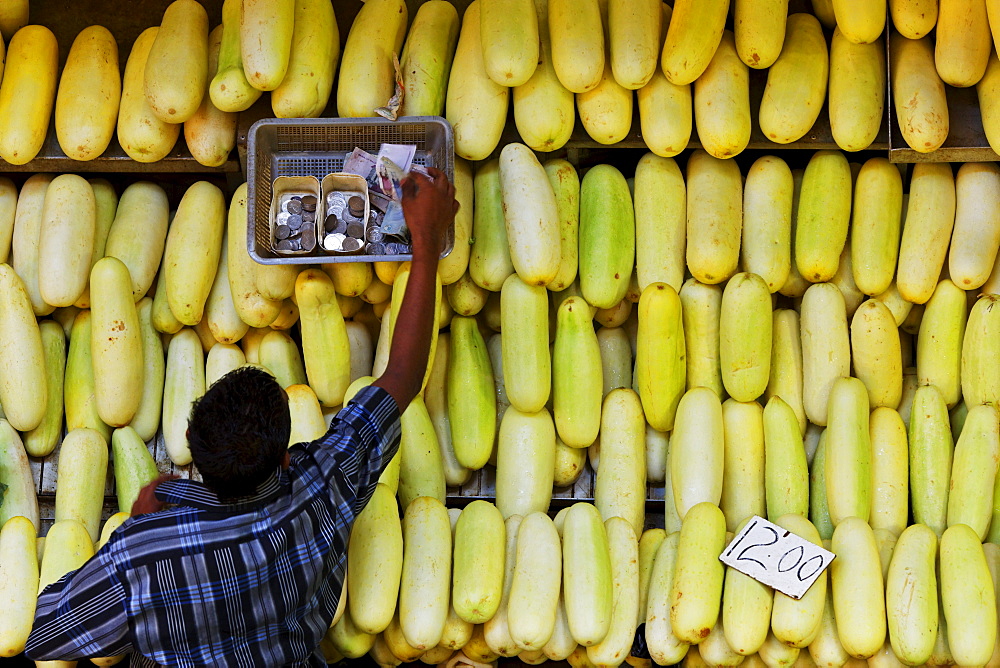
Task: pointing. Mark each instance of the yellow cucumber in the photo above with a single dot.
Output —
(858, 590)
(823, 215)
(930, 218)
(193, 248)
(289, 314)
(664, 647)
(634, 32)
(660, 367)
(967, 596)
(42, 440)
(620, 487)
(714, 216)
(826, 650)
(861, 24)
(176, 71)
(229, 89)
(857, 91)
(146, 420)
(544, 111)
(475, 105)
(566, 185)
(992, 553)
(877, 355)
(962, 42)
(139, 232)
(421, 471)
(90, 90)
(875, 227)
(325, 346)
(19, 498)
(375, 562)
(914, 18)
(665, 115)
(657, 447)
(776, 654)
(715, 649)
(577, 38)
(844, 280)
(659, 222)
(616, 358)
(66, 239)
(13, 17)
(133, 464)
(890, 472)
(25, 240)
(786, 363)
(426, 58)
(786, 469)
(142, 135)
(425, 585)
(531, 215)
(577, 376)
(760, 31)
(649, 545)
(797, 622)
(490, 263)
(525, 462)
(701, 307)
(210, 134)
(826, 348)
(277, 281)
(796, 285)
(849, 452)
(252, 307)
(606, 110)
(307, 416)
(745, 336)
(164, 320)
(348, 640)
(526, 359)
(279, 355)
(606, 212)
(116, 343)
(569, 464)
(767, 221)
(471, 399)
(746, 612)
(67, 547)
(976, 235)
(305, 89)
(8, 212)
(693, 36)
(911, 599)
(986, 92)
(223, 321)
(78, 387)
(496, 632)
(478, 577)
(561, 644)
(973, 471)
(436, 400)
(930, 450)
(266, 33)
(27, 93)
(696, 592)
(510, 40)
(183, 384)
(624, 556)
(722, 102)
(796, 82)
(919, 94)
(743, 481)
(980, 380)
(587, 578)
(18, 584)
(476, 647)
(698, 436)
(899, 307)
(534, 590)
(83, 466)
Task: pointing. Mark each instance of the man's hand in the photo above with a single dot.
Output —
(147, 502)
(429, 208)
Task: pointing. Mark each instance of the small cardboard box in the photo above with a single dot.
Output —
(350, 185)
(284, 185)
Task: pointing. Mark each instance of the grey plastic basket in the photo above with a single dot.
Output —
(317, 147)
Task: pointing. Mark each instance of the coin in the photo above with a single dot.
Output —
(350, 217)
(293, 206)
(375, 234)
(309, 203)
(284, 245)
(308, 216)
(357, 205)
(295, 222)
(331, 222)
(356, 231)
(351, 244)
(333, 241)
(282, 218)
(376, 249)
(308, 238)
(281, 231)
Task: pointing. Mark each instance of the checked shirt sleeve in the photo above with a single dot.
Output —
(361, 440)
(81, 615)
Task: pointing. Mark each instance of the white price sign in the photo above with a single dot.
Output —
(776, 557)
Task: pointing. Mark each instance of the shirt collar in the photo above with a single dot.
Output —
(195, 494)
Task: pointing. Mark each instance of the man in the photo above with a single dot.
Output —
(246, 568)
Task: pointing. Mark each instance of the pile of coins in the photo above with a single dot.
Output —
(295, 225)
(344, 225)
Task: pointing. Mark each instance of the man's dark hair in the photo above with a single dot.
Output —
(239, 431)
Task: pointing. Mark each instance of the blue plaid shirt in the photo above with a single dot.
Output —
(205, 583)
